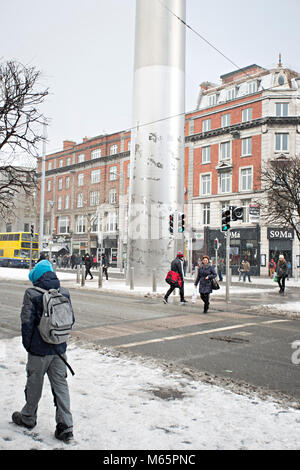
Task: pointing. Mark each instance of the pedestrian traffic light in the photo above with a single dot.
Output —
(171, 223)
(216, 244)
(32, 230)
(181, 222)
(225, 220)
(237, 213)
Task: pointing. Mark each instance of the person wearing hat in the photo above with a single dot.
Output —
(43, 358)
(206, 273)
(177, 267)
(282, 273)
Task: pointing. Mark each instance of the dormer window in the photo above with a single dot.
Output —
(231, 94)
(252, 87)
(212, 100)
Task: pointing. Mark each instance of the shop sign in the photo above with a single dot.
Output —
(280, 234)
(254, 213)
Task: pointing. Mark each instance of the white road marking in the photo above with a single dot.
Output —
(195, 333)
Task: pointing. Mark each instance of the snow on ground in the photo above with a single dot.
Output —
(117, 404)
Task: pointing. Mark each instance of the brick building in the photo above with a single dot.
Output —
(250, 117)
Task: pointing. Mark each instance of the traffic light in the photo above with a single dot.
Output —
(237, 213)
(171, 223)
(216, 244)
(32, 230)
(225, 220)
(181, 222)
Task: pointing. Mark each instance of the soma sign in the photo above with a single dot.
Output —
(280, 233)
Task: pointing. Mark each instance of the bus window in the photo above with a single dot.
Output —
(16, 236)
(5, 237)
(24, 253)
(16, 252)
(1, 252)
(10, 237)
(26, 236)
(35, 255)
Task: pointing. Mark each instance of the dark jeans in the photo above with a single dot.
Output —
(88, 271)
(205, 298)
(105, 272)
(181, 291)
(281, 283)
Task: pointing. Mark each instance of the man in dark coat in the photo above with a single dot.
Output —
(43, 358)
(177, 267)
(206, 273)
(88, 264)
(105, 265)
(282, 273)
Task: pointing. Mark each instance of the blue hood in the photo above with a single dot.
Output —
(40, 268)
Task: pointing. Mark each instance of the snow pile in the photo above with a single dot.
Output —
(124, 403)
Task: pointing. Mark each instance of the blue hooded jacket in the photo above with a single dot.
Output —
(32, 309)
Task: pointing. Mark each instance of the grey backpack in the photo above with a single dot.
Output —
(56, 322)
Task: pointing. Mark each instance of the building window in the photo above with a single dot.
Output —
(129, 145)
(26, 227)
(245, 206)
(50, 166)
(81, 179)
(81, 158)
(113, 196)
(63, 225)
(61, 163)
(252, 87)
(68, 161)
(206, 125)
(282, 109)
(95, 154)
(95, 176)
(206, 213)
(230, 94)
(94, 198)
(111, 222)
(205, 184)
(281, 142)
(206, 154)
(79, 200)
(225, 182)
(225, 120)
(112, 173)
(225, 151)
(212, 100)
(67, 201)
(113, 150)
(49, 186)
(246, 178)
(59, 201)
(60, 183)
(80, 224)
(247, 115)
(247, 146)
(67, 182)
(128, 170)
(96, 224)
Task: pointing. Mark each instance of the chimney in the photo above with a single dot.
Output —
(68, 144)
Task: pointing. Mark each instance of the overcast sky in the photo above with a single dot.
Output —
(85, 51)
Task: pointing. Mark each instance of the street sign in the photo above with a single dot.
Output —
(254, 213)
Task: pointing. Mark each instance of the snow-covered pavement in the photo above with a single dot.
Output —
(127, 403)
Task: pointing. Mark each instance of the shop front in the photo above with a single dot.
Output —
(244, 245)
(281, 243)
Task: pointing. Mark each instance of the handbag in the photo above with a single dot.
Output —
(275, 278)
(173, 279)
(214, 284)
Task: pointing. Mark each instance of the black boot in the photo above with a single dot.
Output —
(63, 433)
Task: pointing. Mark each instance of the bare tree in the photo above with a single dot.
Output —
(20, 130)
(281, 182)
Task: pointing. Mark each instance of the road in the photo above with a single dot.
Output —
(229, 342)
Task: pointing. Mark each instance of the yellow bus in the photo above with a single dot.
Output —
(15, 249)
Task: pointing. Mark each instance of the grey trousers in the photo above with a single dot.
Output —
(54, 367)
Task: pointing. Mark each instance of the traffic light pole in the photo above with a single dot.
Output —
(227, 265)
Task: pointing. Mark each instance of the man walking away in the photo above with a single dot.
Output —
(43, 358)
(177, 267)
(272, 268)
(105, 265)
(282, 273)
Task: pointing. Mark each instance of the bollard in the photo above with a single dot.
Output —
(78, 274)
(83, 276)
(131, 274)
(100, 276)
(154, 284)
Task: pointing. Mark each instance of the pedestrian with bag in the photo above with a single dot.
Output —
(272, 268)
(247, 269)
(88, 264)
(105, 265)
(44, 357)
(177, 267)
(206, 273)
(281, 273)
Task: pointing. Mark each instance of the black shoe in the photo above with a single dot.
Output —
(165, 301)
(184, 302)
(17, 419)
(63, 434)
